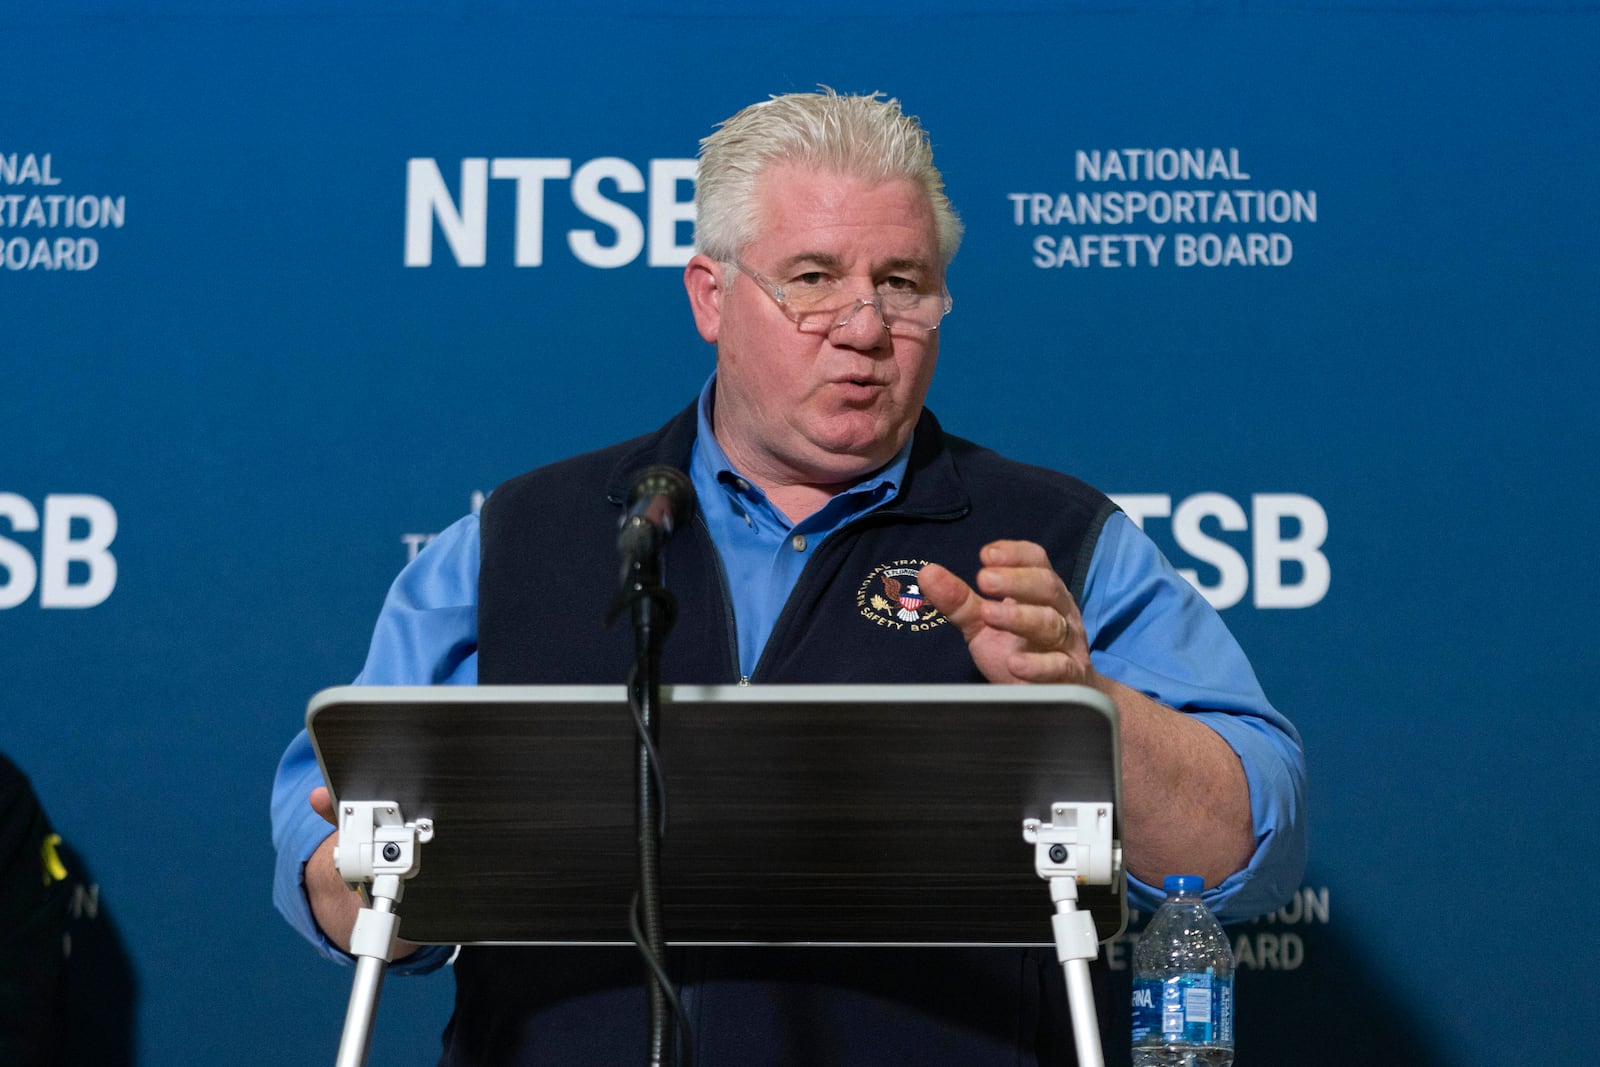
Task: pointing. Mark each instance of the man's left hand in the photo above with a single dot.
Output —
(1021, 624)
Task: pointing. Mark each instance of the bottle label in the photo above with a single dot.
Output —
(1185, 1009)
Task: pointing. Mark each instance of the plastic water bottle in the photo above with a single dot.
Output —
(1183, 984)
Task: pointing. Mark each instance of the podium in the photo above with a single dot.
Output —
(795, 815)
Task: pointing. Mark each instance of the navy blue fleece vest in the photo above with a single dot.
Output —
(549, 568)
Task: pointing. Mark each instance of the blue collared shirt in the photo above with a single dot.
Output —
(762, 552)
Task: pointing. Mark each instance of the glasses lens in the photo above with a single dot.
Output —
(919, 311)
(900, 312)
(822, 308)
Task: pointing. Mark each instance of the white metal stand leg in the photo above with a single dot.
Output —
(377, 851)
(1076, 846)
(1076, 945)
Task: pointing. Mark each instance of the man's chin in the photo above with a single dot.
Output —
(852, 459)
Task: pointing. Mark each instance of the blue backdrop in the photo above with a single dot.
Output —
(1311, 287)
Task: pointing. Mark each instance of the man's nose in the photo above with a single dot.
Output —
(859, 328)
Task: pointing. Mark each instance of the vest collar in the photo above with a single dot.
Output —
(932, 490)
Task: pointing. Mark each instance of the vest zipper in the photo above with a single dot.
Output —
(727, 598)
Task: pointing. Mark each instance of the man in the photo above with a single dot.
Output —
(823, 237)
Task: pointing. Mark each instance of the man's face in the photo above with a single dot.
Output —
(820, 409)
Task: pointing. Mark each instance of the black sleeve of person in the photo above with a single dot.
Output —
(34, 898)
(67, 987)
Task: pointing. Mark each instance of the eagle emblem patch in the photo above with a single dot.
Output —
(890, 598)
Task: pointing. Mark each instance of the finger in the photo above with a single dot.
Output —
(1030, 585)
(1040, 626)
(322, 803)
(952, 596)
(1013, 554)
(1015, 557)
(1043, 667)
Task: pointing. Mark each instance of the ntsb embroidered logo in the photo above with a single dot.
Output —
(890, 598)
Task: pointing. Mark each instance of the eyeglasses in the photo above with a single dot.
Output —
(818, 303)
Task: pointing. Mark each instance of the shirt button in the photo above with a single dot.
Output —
(742, 485)
(799, 542)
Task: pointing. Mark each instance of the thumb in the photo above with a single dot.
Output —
(959, 602)
(322, 803)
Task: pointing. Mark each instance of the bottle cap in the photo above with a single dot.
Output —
(1183, 883)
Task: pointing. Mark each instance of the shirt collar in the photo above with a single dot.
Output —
(715, 477)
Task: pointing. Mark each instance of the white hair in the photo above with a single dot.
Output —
(860, 136)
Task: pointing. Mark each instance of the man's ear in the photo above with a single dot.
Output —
(702, 278)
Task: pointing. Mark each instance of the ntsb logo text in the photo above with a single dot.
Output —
(74, 568)
(635, 210)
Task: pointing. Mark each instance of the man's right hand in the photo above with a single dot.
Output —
(333, 903)
(322, 804)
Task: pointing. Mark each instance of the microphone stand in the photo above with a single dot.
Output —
(661, 499)
(653, 609)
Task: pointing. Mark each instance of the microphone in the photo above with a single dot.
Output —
(662, 499)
